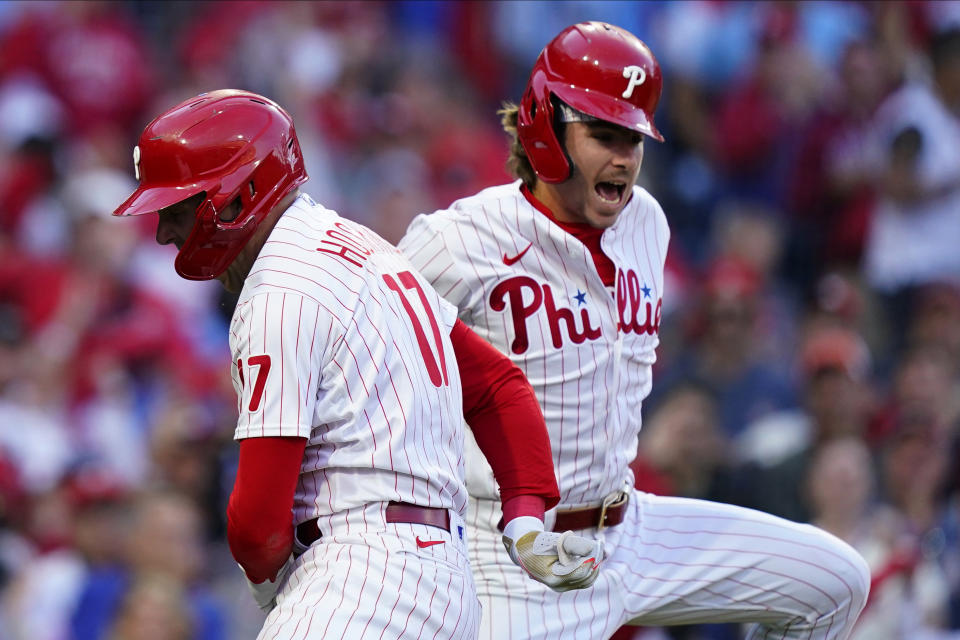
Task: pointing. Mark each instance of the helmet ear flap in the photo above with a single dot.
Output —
(536, 133)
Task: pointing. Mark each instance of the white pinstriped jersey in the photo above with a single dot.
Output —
(335, 338)
(531, 289)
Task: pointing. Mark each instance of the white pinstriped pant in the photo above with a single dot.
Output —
(366, 578)
(679, 561)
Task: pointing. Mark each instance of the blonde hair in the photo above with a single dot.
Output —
(517, 162)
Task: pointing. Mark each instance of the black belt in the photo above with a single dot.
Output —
(397, 512)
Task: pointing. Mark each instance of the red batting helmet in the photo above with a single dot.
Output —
(227, 144)
(598, 69)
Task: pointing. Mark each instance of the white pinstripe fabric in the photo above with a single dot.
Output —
(590, 392)
(366, 578)
(324, 347)
(673, 561)
(679, 561)
(347, 372)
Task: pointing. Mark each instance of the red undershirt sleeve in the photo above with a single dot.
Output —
(506, 420)
(523, 506)
(259, 514)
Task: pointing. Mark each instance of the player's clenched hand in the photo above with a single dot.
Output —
(265, 593)
(562, 561)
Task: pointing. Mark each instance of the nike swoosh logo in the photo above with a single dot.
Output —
(509, 261)
(428, 543)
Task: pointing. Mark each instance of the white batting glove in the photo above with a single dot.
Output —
(265, 593)
(562, 561)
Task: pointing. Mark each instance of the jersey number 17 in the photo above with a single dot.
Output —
(438, 374)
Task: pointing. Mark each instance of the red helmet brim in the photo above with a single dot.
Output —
(607, 108)
(152, 199)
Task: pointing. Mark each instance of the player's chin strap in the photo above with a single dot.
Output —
(562, 561)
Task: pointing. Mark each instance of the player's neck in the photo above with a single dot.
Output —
(239, 269)
(548, 202)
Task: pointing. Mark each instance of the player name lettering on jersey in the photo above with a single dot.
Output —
(629, 289)
(349, 245)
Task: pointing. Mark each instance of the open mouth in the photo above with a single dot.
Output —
(611, 192)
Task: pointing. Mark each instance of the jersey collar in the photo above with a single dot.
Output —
(584, 232)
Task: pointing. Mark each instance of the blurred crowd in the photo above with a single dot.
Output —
(810, 345)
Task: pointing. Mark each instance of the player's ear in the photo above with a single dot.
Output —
(231, 211)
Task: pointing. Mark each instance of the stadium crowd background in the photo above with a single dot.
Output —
(810, 353)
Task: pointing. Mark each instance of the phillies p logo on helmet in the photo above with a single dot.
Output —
(636, 75)
(136, 162)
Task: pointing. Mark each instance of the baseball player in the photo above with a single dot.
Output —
(353, 380)
(562, 270)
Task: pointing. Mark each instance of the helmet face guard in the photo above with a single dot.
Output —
(598, 69)
(229, 145)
